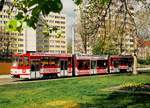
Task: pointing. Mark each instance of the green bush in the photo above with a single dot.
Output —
(144, 61)
(5, 59)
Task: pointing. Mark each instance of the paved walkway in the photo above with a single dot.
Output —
(4, 76)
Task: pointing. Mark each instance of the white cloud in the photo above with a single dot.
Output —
(68, 7)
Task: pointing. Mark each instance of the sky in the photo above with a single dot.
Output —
(68, 10)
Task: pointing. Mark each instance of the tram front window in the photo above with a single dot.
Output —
(15, 61)
(20, 61)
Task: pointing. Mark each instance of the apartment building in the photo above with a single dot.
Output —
(10, 42)
(30, 39)
(56, 42)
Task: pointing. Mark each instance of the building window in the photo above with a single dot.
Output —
(57, 46)
(51, 46)
(51, 51)
(57, 22)
(46, 46)
(57, 41)
(63, 42)
(20, 45)
(62, 46)
(51, 21)
(63, 27)
(62, 17)
(62, 22)
(62, 51)
(57, 17)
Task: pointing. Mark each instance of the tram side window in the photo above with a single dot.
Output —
(93, 64)
(102, 63)
(63, 65)
(66, 65)
(32, 66)
(116, 63)
(35, 65)
(130, 62)
(83, 65)
(69, 62)
(44, 61)
(38, 65)
(53, 62)
(124, 61)
(49, 61)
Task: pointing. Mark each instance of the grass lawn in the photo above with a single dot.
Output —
(80, 92)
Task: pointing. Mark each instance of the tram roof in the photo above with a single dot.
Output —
(92, 57)
(121, 56)
(52, 55)
(44, 55)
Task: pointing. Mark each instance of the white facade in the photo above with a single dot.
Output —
(30, 39)
(12, 42)
(53, 43)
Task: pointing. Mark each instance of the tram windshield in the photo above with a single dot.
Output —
(20, 61)
(15, 61)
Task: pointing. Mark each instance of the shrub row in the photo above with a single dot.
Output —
(5, 59)
(144, 61)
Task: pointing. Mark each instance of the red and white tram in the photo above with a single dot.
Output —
(42, 65)
(120, 63)
(36, 65)
(88, 65)
(126, 63)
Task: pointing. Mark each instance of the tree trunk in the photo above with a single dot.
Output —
(135, 64)
(85, 49)
(135, 56)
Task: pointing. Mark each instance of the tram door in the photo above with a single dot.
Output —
(93, 67)
(35, 69)
(63, 67)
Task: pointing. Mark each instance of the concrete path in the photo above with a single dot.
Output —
(4, 76)
(143, 69)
